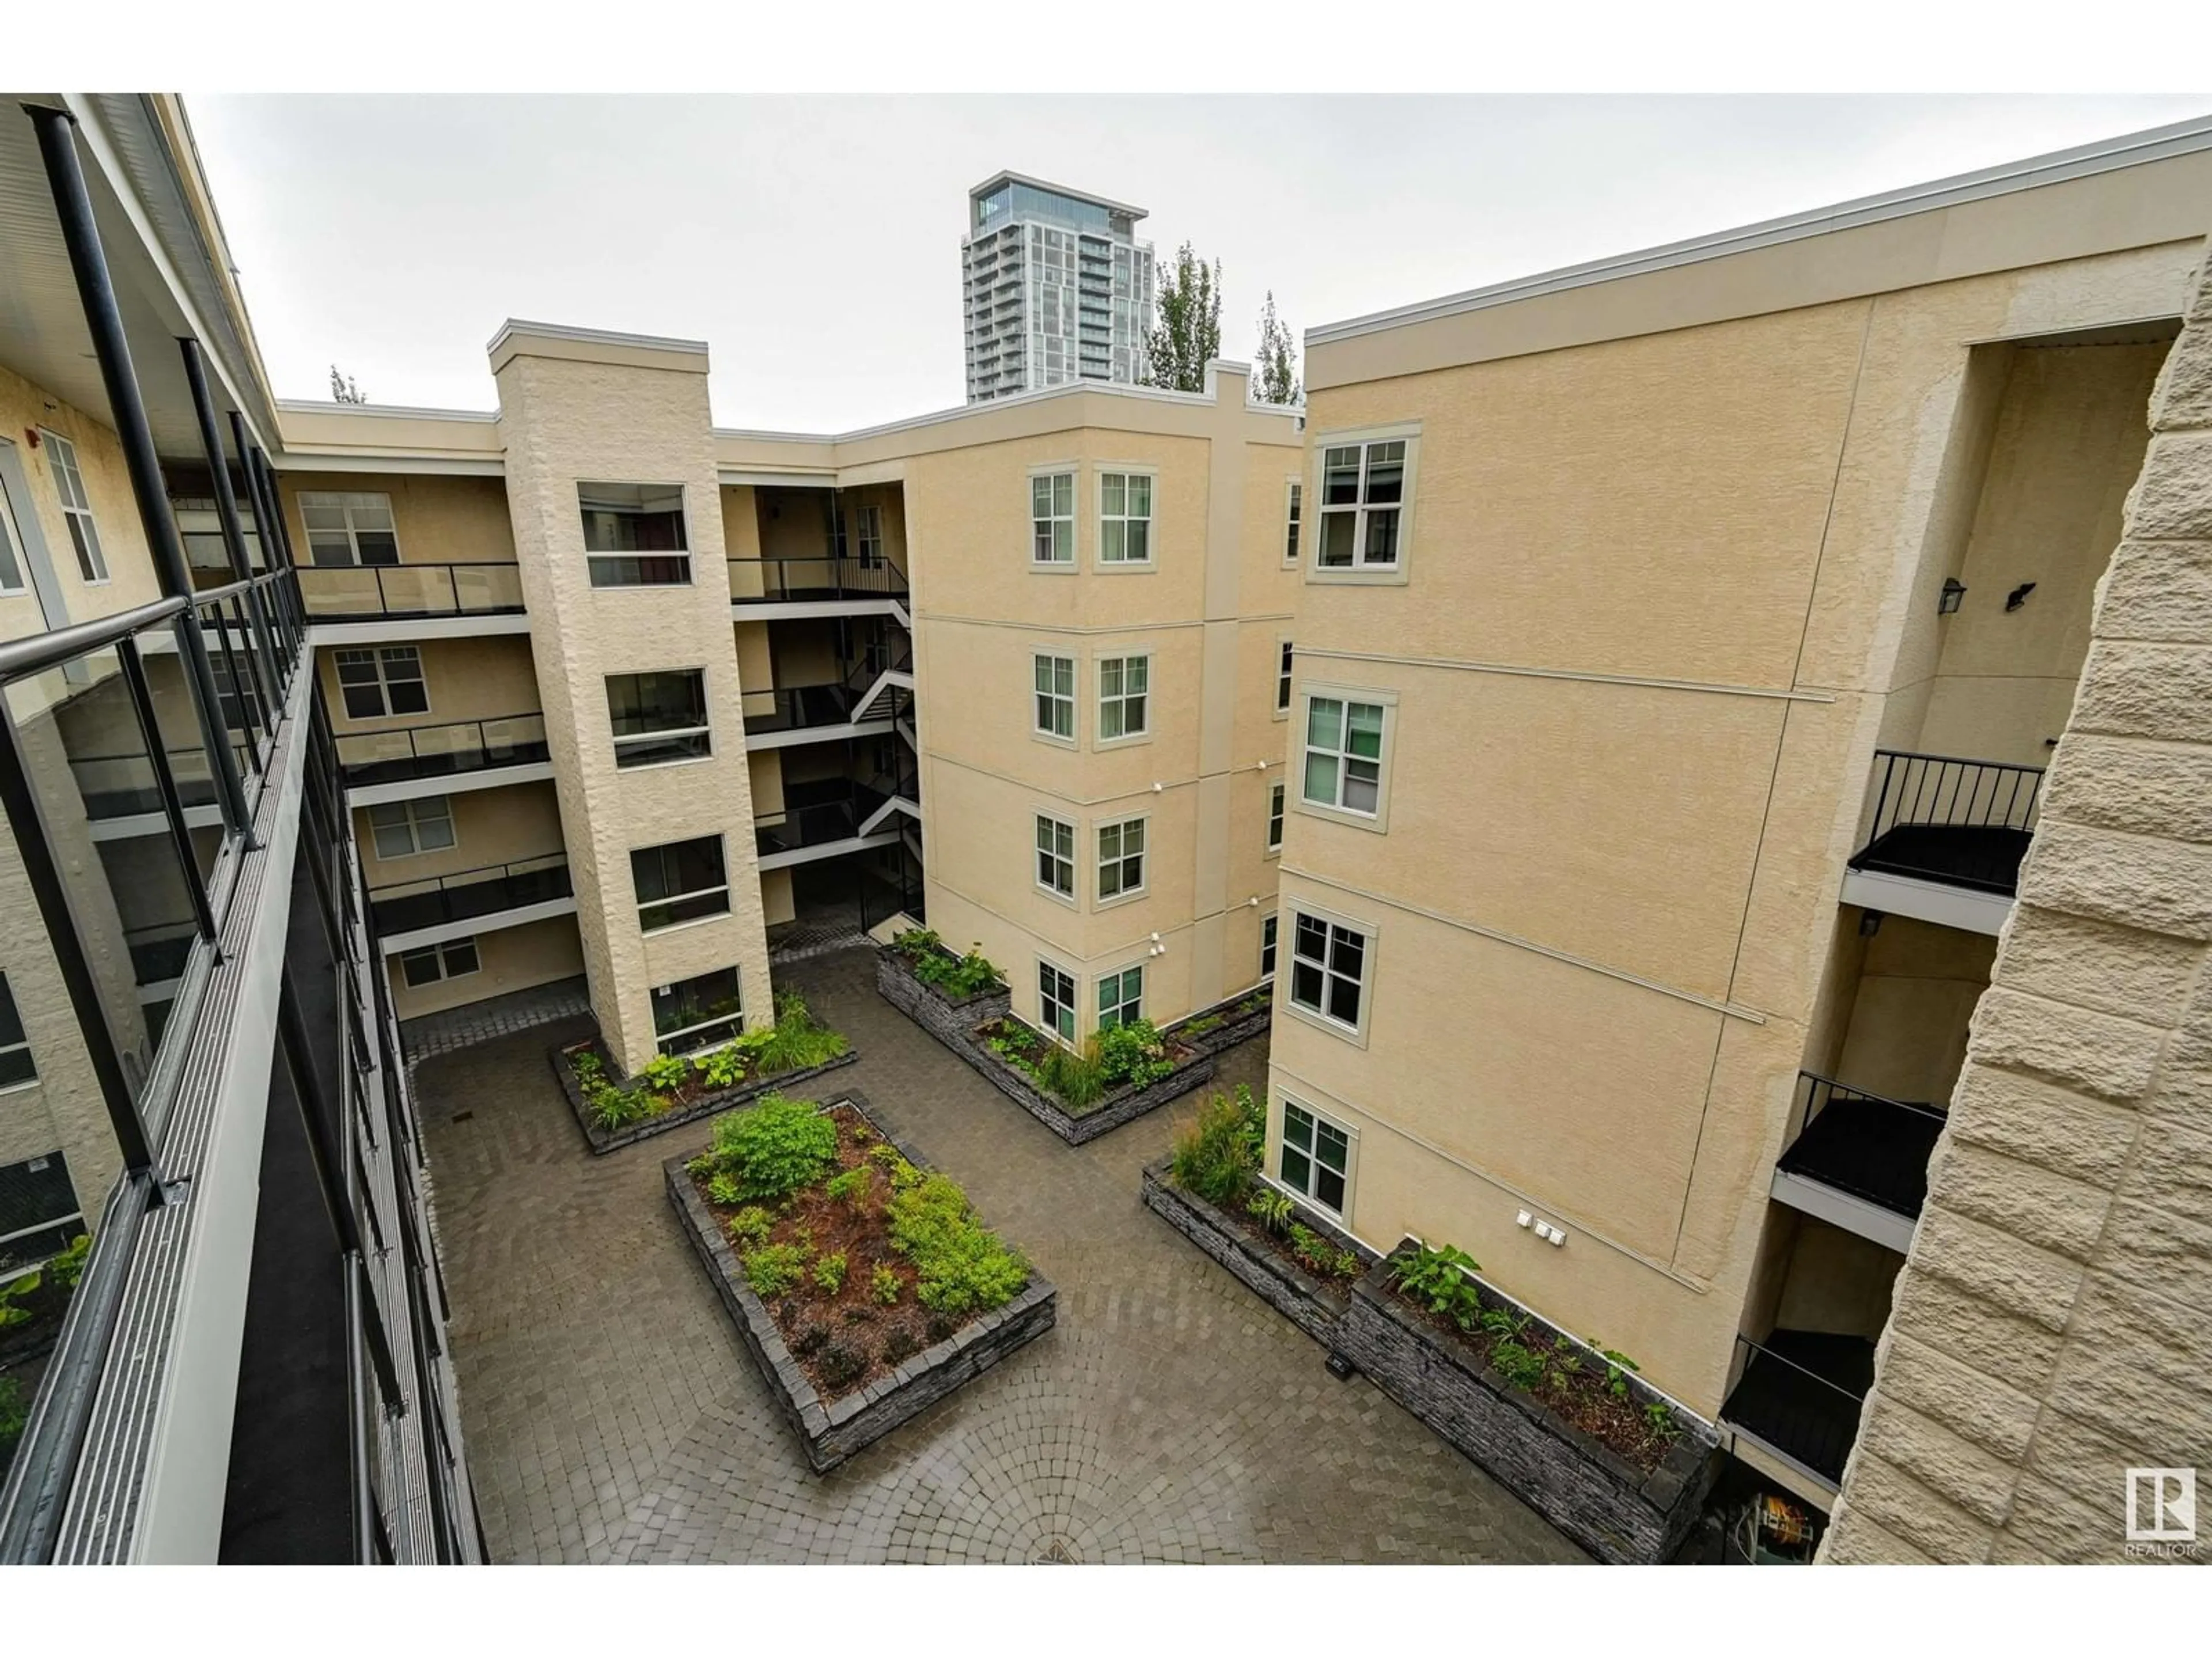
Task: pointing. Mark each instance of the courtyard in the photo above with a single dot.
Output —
(612, 1415)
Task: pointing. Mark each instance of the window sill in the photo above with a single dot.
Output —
(661, 766)
(1120, 899)
(1100, 746)
(1333, 576)
(1376, 823)
(1053, 740)
(683, 927)
(1354, 1035)
(1057, 567)
(1123, 567)
(1067, 900)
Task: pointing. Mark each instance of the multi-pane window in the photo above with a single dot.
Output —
(1316, 1158)
(381, 680)
(1363, 489)
(1121, 859)
(1328, 969)
(634, 534)
(451, 960)
(1125, 518)
(1052, 515)
(1055, 856)
(868, 536)
(1344, 754)
(1056, 1002)
(348, 527)
(234, 692)
(1275, 819)
(1124, 685)
(1121, 998)
(16, 1064)
(679, 881)
(11, 565)
(1055, 696)
(1267, 947)
(76, 507)
(658, 717)
(404, 828)
(699, 1012)
(39, 1214)
(1282, 675)
(1291, 535)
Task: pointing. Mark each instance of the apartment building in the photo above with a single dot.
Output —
(1682, 642)
(1057, 286)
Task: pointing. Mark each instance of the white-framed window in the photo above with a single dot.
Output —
(679, 881)
(1275, 817)
(1125, 518)
(1343, 755)
(1055, 856)
(455, 959)
(1292, 511)
(658, 717)
(703, 1012)
(402, 829)
(16, 1066)
(1283, 660)
(868, 536)
(1268, 936)
(1328, 970)
(634, 535)
(1055, 1001)
(1052, 519)
(351, 526)
(1055, 696)
(1314, 1159)
(1121, 997)
(1125, 686)
(374, 681)
(11, 562)
(76, 506)
(1120, 859)
(1363, 494)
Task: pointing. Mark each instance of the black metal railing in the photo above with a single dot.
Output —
(1866, 1145)
(444, 750)
(1938, 817)
(1802, 1392)
(784, 578)
(815, 814)
(469, 895)
(477, 588)
(798, 707)
(120, 786)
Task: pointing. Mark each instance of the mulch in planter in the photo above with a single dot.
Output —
(1219, 1025)
(1033, 1045)
(1279, 1246)
(818, 1326)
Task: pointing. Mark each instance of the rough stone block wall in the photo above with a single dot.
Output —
(2052, 1327)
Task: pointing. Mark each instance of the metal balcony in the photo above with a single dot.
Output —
(372, 593)
(456, 749)
(1860, 1161)
(1797, 1397)
(490, 897)
(1946, 840)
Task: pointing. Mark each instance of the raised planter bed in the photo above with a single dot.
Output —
(947, 1020)
(1622, 1509)
(1193, 1065)
(1313, 1302)
(1225, 1024)
(937, 1353)
(603, 1140)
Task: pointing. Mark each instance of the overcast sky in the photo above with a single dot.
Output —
(814, 243)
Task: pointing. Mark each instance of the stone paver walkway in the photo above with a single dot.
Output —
(611, 1414)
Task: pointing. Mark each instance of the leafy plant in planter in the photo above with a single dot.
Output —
(774, 1148)
(1133, 1054)
(67, 1268)
(959, 1263)
(1271, 1209)
(1521, 1368)
(750, 1225)
(724, 1067)
(14, 1294)
(830, 1273)
(588, 1067)
(617, 1109)
(853, 1187)
(1437, 1277)
(664, 1073)
(797, 1040)
(884, 1285)
(958, 977)
(1217, 1157)
(773, 1268)
(1617, 1367)
(15, 1416)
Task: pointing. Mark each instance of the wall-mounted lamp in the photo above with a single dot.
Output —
(1953, 591)
(1869, 923)
(2018, 597)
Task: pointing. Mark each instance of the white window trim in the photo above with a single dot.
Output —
(1099, 562)
(1318, 446)
(339, 499)
(591, 557)
(1286, 958)
(1098, 660)
(1274, 919)
(34, 1080)
(657, 733)
(418, 850)
(1046, 1026)
(1277, 820)
(1143, 990)
(1074, 737)
(738, 1018)
(1073, 898)
(1280, 708)
(48, 436)
(1301, 700)
(1350, 1133)
(1294, 512)
(1100, 901)
(437, 953)
(375, 653)
(11, 536)
(867, 531)
(1074, 562)
(722, 887)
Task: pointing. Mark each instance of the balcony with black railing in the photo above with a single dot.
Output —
(480, 587)
(1799, 1393)
(484, 894)
(451, 749)
(1960, 823)
(1860, 1160)
(827, 577)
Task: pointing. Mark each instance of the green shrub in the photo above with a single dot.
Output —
(1437, 1279)
(1079, 1080)
(1347, 1265)
(723, 1189)
(1201, 1026)
(1311, 1247)
(1217, 1157)
(959, 1264)
(830, 1273)
(773, 1268)
(904, 1176)
(1521, 1368)
(1133, 1053)
(14, 1294)
(797, 1040)
(15, 1416)
(1271, 1209)
(776, 1146)
(883, 1285)
(751, 1225)
(666, 1072)
(1502, 1322)
(588, 1066)
(1617, 1367)
(884, 1153)
(1659, 1415)
(957, 977)
(853, 1187)
(67, 1268)
(723, 1067)
(616, 1108)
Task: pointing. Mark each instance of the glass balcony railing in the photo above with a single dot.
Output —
(476, 588)
(452, 749)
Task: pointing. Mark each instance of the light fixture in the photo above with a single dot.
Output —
(2018, 597)
(1869, 923)
(1953, 591)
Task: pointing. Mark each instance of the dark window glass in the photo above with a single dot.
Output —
(679, 881)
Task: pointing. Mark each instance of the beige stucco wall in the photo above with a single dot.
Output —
(508, 824)
(437, 520)
(485, 678)
(2050, 1328)
(509, 958)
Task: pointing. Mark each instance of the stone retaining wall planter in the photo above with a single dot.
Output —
(1235, 1028)
(1621, 1514)
(1110, 1112)
(948, 1021)
(830, 1432)
(603, 1140)
(1312, 1303)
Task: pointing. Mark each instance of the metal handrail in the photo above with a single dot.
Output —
(1913, 788)
(37, 652)
(1821, 1092)
(484, 745)
(1783, 1359)
(880, 579)
(458, 607)
(475, 878)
